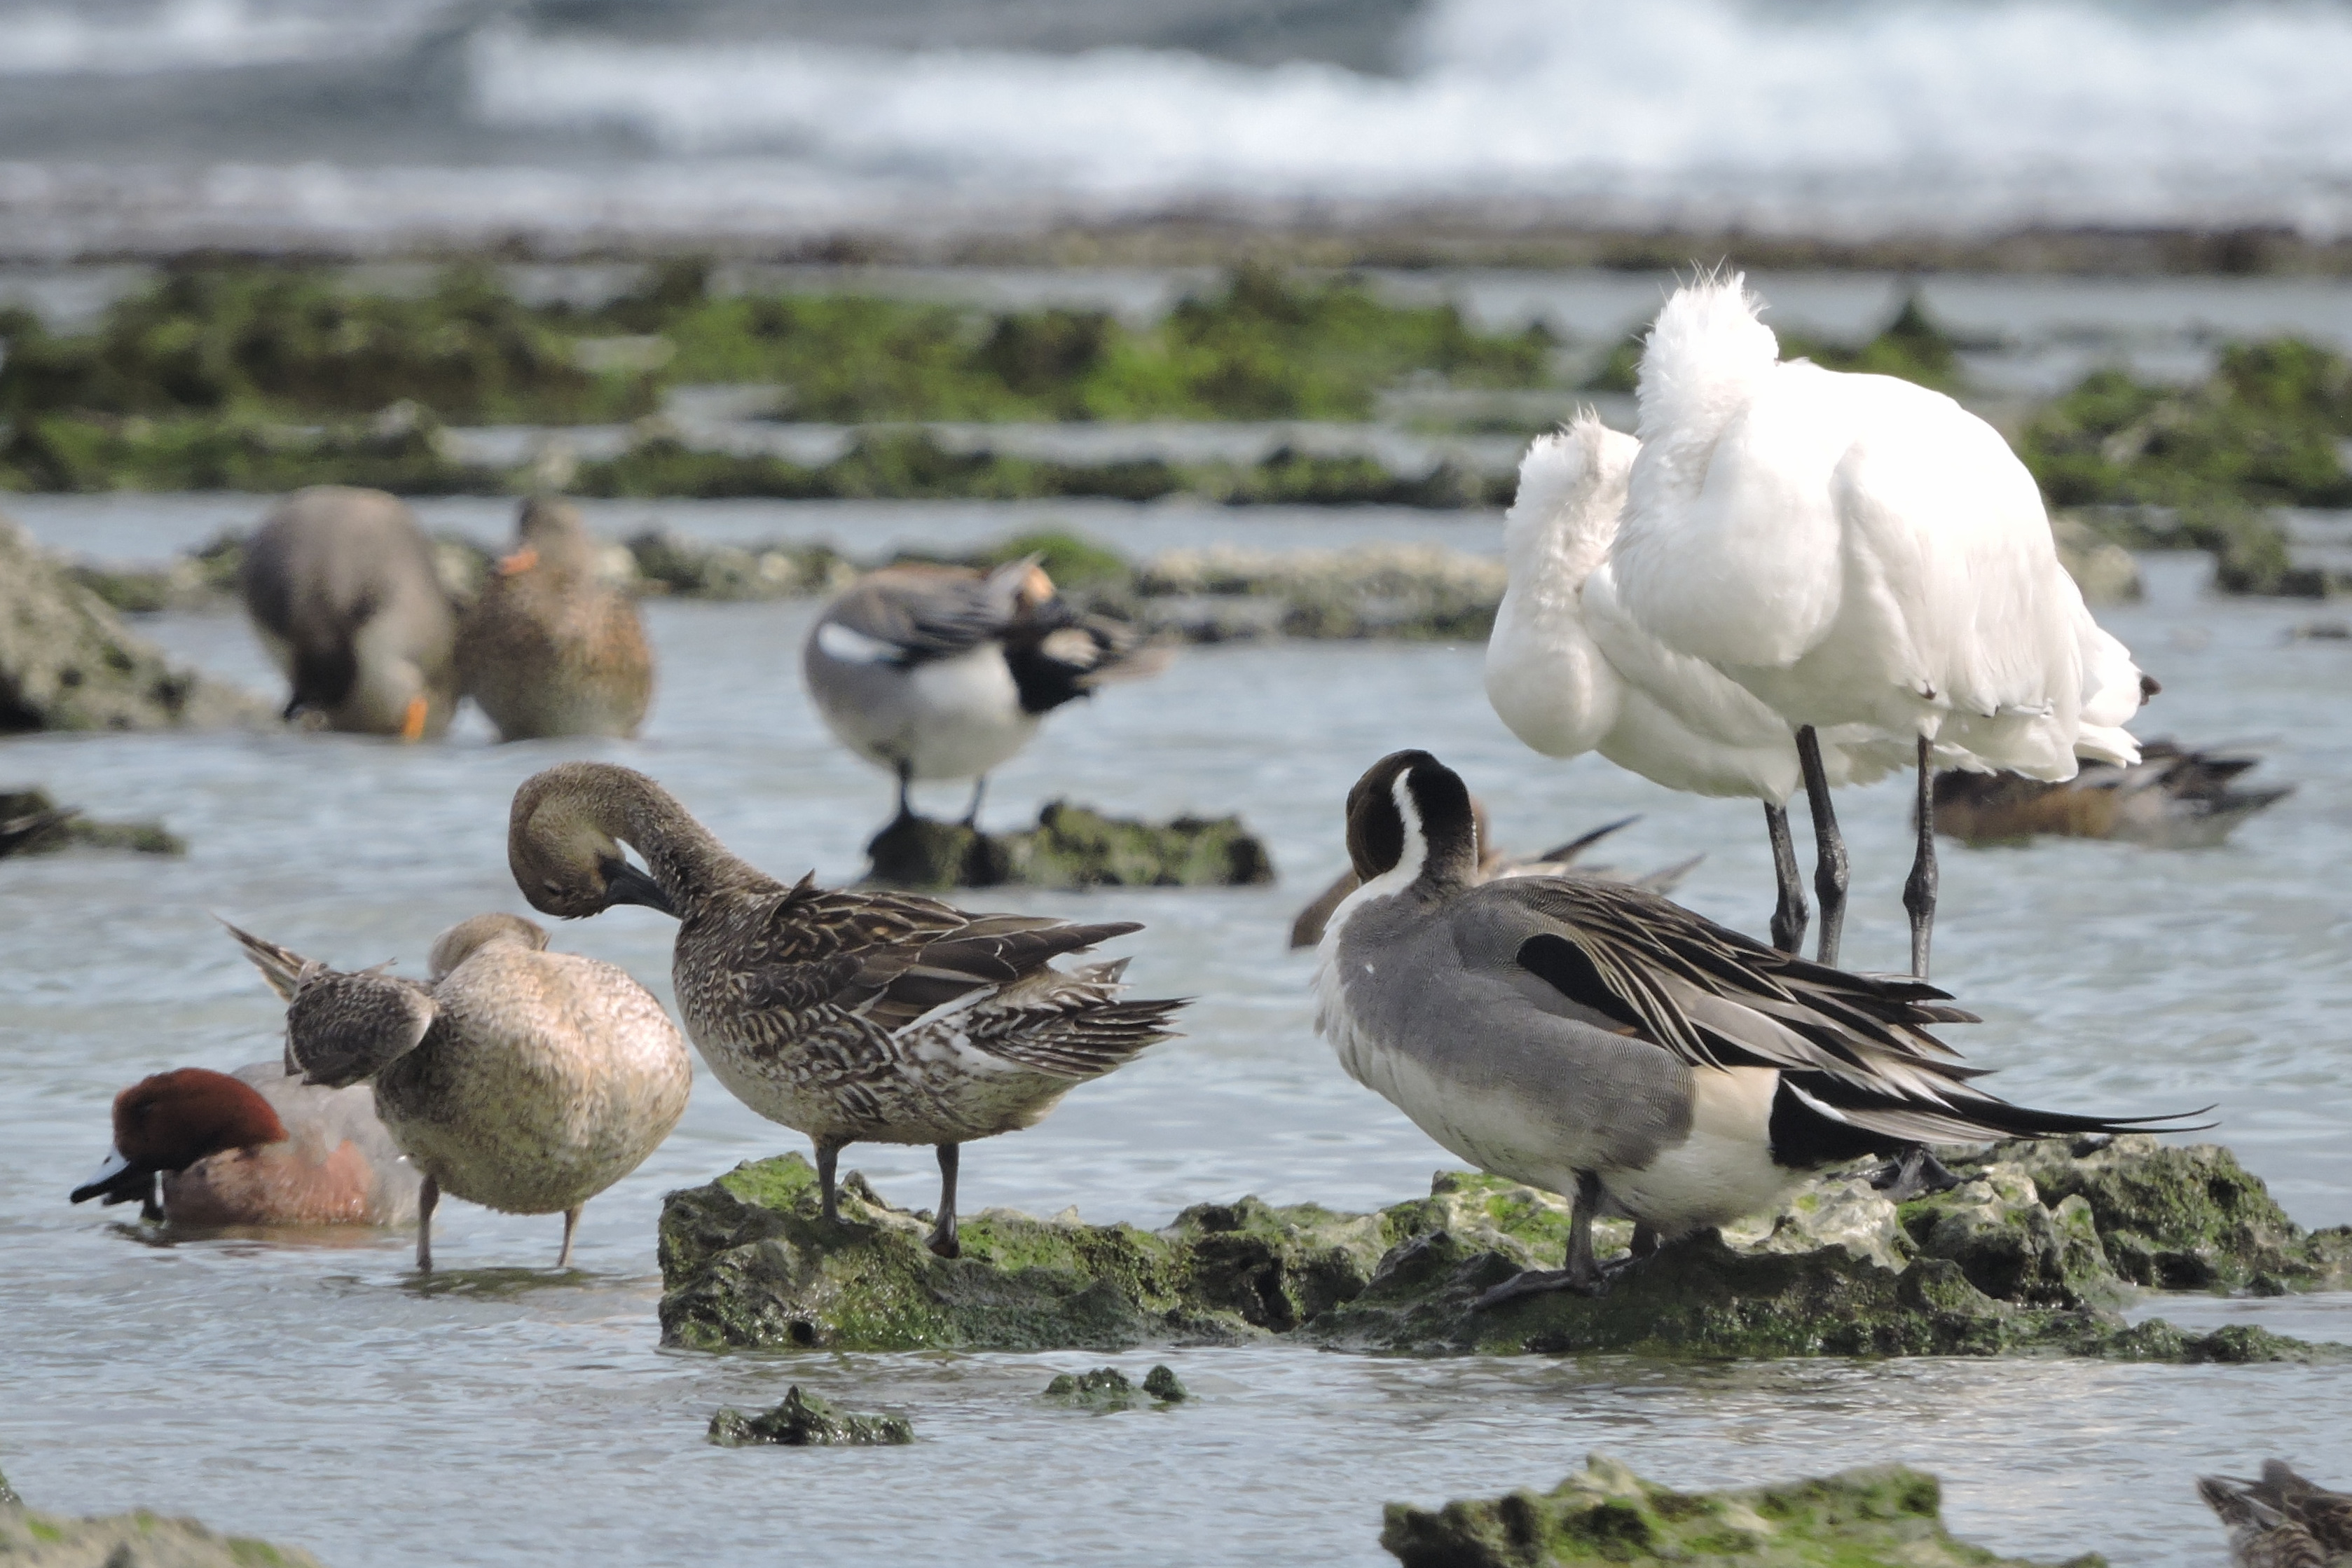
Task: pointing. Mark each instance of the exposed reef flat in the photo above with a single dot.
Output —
(68, 662)
(1885, 1515)
(1071, 847)
(2029, 1255)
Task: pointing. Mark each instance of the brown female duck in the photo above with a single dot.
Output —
(853, 1016)
(524, 1081)
(549, 649)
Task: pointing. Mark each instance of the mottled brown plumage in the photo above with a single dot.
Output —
(2172, 798)
(2262, 1535)
(524, 1081)
(853, 1016)
(549, 649)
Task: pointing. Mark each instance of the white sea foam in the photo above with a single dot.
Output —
(121, 39)
(1939, 113)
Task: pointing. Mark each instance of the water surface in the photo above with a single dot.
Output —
(316, 1395)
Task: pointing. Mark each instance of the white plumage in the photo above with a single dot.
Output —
(1855, 550)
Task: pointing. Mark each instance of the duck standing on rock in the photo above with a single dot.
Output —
(853, 1016)
(549, 649)
(255, 1147)
(341, 587)
(521, 1080)
(944, 672)
(1595, 1040)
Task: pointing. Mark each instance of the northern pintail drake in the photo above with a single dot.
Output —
(258, 1147)
(341, 587)
(1873, 554)
(945, 672)
(853, 1016)
(549, 649)
(1598, 1041)
(2277, 1522)
(524, 1081)
(1561, 860)
(2172, 798)
(1567, 671)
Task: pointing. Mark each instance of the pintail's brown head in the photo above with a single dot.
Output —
(562, 842)
(467, 937)
(1410, 818)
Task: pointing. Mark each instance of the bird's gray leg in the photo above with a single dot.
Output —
(151, 1207)
(1646, 1238)
(906, 781)
(1789, 916)
(1582, 1275)
(1829, 849)
(828, 1156)
(570, 1224)
(1915, 1175)
(426, 1197)
(979, 790)
(943, 1233)
(1919, 892)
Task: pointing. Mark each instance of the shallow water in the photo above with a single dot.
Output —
(315, 1394)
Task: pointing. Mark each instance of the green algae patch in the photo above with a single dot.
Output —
(2028, 1255)
(31, 1540)
(805, 1420)
(1885, 1515)
(1071, 847)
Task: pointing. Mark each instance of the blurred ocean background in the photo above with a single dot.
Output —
(566, 124)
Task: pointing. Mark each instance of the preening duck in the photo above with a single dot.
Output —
(1598, 1041)
(524, 1081)
(852, 1017)
(253, 1148)
(341, 588)
(1569, 672)
(944, 672)
(2172, 798)
(2264, 1532)
(549, 649)
(1855, 550)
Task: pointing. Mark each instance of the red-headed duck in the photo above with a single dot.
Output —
(254, 1148)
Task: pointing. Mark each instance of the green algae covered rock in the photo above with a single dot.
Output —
(1885, 1515)
(1071, 847)
(140, 1540)
(2028, 1255)
(1106, 1389)
(807, 1420)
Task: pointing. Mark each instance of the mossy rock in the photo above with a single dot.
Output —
(141, 1540)
(2000, 1265)
(1071, 847)
(1885, 1515)
(68, 662)
(805, 1420)
(31, 823)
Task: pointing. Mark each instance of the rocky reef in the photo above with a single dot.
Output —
(806, 1420)
(1883, 1516)
(29, 1539)
(1071, 847)
(1106, 1389)
(2030, 1254)
(68, 662)
(31, 823)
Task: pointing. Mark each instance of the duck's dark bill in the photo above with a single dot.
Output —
(625, 884)
(116, 1180)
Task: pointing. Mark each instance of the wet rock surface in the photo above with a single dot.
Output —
(2029, 1255)
(68, 662)
(32, 823)
(1605, 1513)
(29, 1539)
(1108, 1389)
(807, 1420)
(1071, 847)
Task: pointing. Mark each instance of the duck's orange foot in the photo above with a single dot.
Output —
(411, 723)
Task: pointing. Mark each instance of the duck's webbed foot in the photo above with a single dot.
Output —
(1917, 1174)
(1543, 1282)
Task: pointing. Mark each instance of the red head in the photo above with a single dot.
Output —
(173, 1119)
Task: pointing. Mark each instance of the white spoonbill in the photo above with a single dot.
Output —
(1855, 550)
(1569, 672)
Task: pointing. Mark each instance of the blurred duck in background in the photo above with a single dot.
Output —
(259, 1147)
(524, 1081)
(1307, 931)
(341, 587)
(549, 648)
(2282, 1521)
(2172, 798)
(944, 672)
